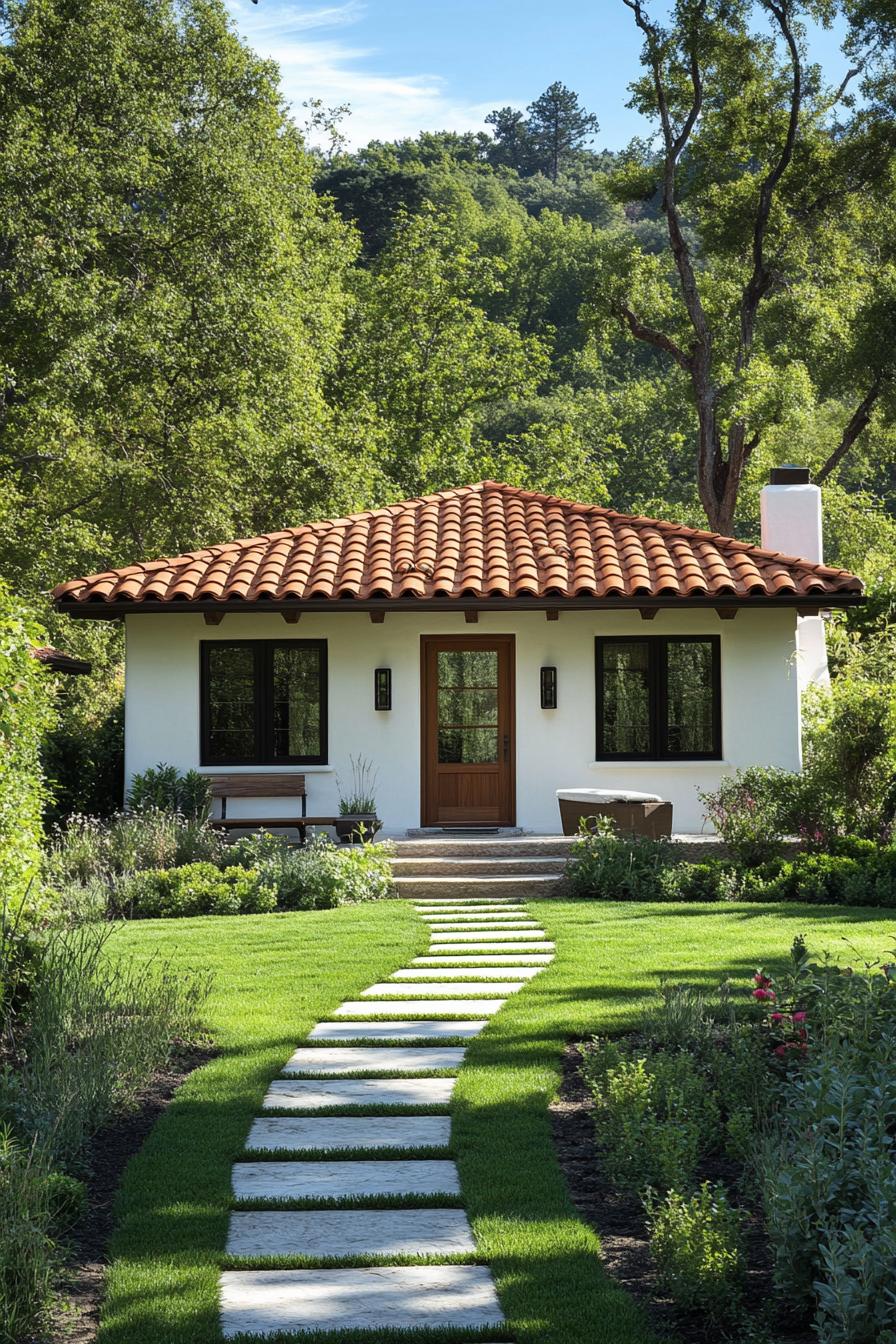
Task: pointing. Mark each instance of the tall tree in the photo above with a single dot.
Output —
(170, 289)
(512, 145)
(779, 201)
(558, 125)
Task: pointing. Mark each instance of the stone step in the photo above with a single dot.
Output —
(438, 986)
(394, 1297)
(504, 947)
(526, 886)
(349, 1131)
(407, 1007)
(344, 1180)
(311, 1095)
(367, 1058)
(346, 1232)
(393, 1031)
(528, 846)
(516, 936)
(461, 866)
(510, 926)
(461, 973)
(527, 958)
(436, 903)
(471, 910)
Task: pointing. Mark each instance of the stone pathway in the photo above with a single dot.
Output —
(313, 1186)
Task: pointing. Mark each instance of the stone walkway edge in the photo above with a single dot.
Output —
(397, 1032)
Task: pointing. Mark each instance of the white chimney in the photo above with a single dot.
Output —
(790, 508)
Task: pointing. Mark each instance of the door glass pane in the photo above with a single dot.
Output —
(296, 701)
(468, 706)
(626, 697)
(468, 746)
(230, 704)
(691, 696)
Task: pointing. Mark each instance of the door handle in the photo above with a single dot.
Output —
(507, 746)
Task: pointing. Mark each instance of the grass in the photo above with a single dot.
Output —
(610, 960)
(277, 975)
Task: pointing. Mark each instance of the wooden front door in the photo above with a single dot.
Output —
(468, 730)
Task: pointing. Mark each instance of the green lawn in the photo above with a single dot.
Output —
(277, 975)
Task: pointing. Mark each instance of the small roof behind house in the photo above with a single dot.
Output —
(57, 661)
(479, 545)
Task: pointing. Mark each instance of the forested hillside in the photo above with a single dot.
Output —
(209, 329)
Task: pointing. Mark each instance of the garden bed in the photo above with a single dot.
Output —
(75, 1319)
(619, 1220)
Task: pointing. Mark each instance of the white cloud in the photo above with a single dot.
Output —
(315, 62)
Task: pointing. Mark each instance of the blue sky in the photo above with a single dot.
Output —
(411, 65)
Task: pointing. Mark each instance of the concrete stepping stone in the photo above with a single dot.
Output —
(350, 1131)
(346, 1232)
(505, 921)
(453, 946)
(461, 973)
(444, 987)
(344, 1180)
(476, 926)
(539, 959)
(311, 1095)
(358, 1058)
(407, 1007)
(393, 1031)
(388, 1297)
(485, 936)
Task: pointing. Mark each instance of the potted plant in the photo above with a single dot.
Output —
(357, 808)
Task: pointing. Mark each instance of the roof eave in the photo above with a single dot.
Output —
(111, 611)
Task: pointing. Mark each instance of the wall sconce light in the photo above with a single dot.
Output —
(549, 688)
(382, 688)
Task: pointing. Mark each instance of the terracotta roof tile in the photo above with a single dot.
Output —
(480, 541)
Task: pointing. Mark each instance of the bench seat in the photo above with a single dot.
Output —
(264, 784)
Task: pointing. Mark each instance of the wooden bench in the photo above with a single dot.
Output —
(267, 785)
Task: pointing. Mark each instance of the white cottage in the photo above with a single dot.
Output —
(484, 647)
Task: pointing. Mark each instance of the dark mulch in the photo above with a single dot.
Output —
(618, 1218)
(76, 1317)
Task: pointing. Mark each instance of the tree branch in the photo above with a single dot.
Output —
(857, 423)
(762, 279)
(654, 337)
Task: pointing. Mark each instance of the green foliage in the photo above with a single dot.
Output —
(749, 814)
(320, 875)
(26, 712)
(96, 848)
(171, 292)
(604, 866)
(654, 1116)
(28, 1255)
(96, 1030)
(696, 1245)
(83, 751)
(193, 889)
(167, 789)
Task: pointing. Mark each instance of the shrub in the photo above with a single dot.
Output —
(83, 753)
(194, 889)
(604, 866)
(654, 1116)
(750, 811)
(320, 875)
(28, 1257)
(26, 712)
(97, 1030)
(165, 789)
(696, 1245)
(89, 848)
(850, 756)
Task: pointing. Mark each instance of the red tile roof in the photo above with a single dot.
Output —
(478, 542)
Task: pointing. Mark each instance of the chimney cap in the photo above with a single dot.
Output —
(789, 474)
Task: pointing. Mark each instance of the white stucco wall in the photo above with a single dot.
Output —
(555, 748)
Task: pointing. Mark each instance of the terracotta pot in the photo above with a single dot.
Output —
(357, 826)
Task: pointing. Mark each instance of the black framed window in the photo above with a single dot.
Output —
(659, 698)
(264, 702)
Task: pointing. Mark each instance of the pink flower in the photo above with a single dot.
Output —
(764, 995)
(777, 1017)
(799, 1017)
(761, 980)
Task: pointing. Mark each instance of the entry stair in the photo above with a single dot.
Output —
(499, 868)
